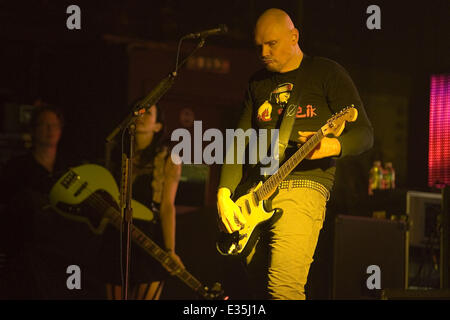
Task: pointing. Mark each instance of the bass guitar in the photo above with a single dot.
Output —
(89, 194)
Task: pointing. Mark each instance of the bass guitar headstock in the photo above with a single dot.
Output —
(214, 293)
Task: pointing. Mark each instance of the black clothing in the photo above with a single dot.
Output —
(325, 88)
(26, 187)
(38, 242)
(143, 267)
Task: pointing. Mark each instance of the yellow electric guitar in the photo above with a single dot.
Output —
(251, 200)
(89, 194)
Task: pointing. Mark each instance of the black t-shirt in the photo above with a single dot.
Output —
(39, 243)
(26, 188)
(24, 172)
(324, 88)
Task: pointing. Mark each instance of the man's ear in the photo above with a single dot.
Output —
(295, 35)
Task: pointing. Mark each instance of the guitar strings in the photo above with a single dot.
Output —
(98, 203)
(271, 182)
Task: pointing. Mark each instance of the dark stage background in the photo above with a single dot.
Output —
(124, 48)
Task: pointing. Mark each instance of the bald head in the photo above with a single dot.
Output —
(274, 18)
(277, 40)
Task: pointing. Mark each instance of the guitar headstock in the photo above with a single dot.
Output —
(336, 124)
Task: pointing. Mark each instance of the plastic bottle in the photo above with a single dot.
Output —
(375, 176)
(390, 176)
(386, 180)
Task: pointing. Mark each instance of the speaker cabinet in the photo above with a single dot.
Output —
(364, 249)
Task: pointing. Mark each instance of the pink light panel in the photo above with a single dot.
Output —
(439, 135)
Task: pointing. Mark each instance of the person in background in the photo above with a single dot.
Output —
(27, 180)
(154, 184)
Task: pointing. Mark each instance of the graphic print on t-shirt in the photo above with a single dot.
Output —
(279, 96)
(303, 112)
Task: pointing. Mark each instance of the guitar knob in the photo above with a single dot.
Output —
(242, 236)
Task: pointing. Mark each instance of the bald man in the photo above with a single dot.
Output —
(318, 87)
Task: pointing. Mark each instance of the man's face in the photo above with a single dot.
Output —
(275, 47)
(283, 97)
(48, 129)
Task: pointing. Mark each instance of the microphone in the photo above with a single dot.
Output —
(206, 33)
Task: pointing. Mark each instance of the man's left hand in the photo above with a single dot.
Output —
(327, 147)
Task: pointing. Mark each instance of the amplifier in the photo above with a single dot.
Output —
(369, 255)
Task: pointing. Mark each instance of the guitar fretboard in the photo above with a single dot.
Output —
(155, 251)
(269, 186)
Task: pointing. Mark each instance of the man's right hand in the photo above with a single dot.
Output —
(230, 216)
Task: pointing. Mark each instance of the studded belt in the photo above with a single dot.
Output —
(305, 184)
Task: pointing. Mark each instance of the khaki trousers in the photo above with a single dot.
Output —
(279, 265)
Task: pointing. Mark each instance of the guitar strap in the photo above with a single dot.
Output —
(288, 116)
(289, 113)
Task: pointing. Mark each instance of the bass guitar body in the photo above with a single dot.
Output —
(87, 193)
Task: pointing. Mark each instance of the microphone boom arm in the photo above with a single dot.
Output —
(154, 96)
(126, 188)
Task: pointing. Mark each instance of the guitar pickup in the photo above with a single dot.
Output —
(247, 205)
(80, 189)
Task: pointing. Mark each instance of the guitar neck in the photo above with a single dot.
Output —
(270, 185)
(156, 252)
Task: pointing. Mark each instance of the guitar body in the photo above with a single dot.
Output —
(240, 243)
(252, 203)
(89, 194)
(86, 192)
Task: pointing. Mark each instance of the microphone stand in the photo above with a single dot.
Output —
(129, 123)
